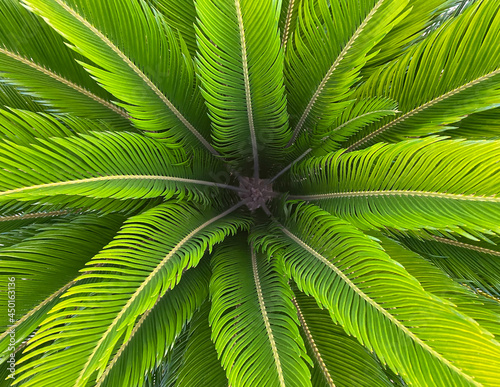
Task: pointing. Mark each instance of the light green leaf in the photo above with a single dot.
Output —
(254, 323)
(102, 166)
(34, 58)
(339, 360)
(240, 64)
(431, 184)
(47, 262)
(452, 73)
(156, 330)
(376, 300)
(145, 260)
(152, 75)
(330, 45)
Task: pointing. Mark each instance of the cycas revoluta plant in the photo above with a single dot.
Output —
(250, 192)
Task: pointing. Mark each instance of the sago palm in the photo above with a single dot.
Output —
(250, 193)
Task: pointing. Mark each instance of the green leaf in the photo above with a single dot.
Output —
(18, 221)
(355, 116)
(11, 97)
(24, 127)
(156, 330)
(465, 262)
(145, 260)
(484, 310)
(180, 15)
(241, 67)
(47, 262)
(484, 125)
(34, 58)
(152, 75)
(452, 73)
(254, 324)
(102, 166)
(330, 45)
(376, 300)
(339, 359)
(421, 16)
(430, 184)
(200, 363)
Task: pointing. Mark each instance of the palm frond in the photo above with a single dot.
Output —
(330, 45)
(145, 260)
(24, 127)
(47, 262)
(430, 184)
(242, 78)
(254, 324)
(34, 58)
(17, 221)
(200, 363)
(376, 300)
(102, 166)
(484, 125)
(422, 15)
(181, 16)
(435, 84)
(11, 97)
(484, 310)
(162, 91)
(339, 359)
(355, 116)
(465, 262)
(156, 330)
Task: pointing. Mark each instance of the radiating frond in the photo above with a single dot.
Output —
(200, 363)
(48, 261)
(254, 322)
(102, 165)
(435, 83)
(18, 221)
(242, 78)
(484, 125)
(156, 330)
(145, 260)
(484, 310)
(415, 25)
(339, 359)
(354, 117)
(430, 184)
(153, 75)
(376, 300)
(11, 97)
(34, 58)
(330, 45)
(24, 127)
(180, 15)
(465, 262)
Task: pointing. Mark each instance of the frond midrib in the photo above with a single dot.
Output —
(265, 318)
(248, 94)
(125, 344)
(119, 177)
(441, 195)
(313, 346)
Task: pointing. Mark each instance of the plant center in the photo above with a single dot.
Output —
(255, 191)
